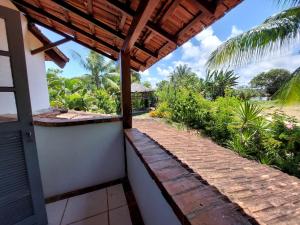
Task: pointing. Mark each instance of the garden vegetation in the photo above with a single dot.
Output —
(222, 113)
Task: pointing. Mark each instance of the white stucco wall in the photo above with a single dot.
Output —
(76, 157)
(154, 208)
(35, 69)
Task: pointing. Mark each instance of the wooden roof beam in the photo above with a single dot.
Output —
(143, 14)
(125, 9)
(170, 10)
(122, 22)
(66, 24)
(72, 27)
(99, 24)
(32, 20)
(50, 46)
(189, 25)
(90, 6)
(207, 7)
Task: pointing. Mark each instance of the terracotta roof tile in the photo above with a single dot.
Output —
(266, 194)
(193, 200)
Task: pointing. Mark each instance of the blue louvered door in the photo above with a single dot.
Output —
(21, 195)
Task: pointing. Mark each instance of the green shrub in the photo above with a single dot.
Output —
(105, 102)
(162, 111)
(219, 127)
(190, 108)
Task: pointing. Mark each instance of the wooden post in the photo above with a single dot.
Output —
(126, 89)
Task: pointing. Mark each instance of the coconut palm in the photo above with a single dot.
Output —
(275, 33)
(289, 93)
(101, 70)
(217, 82)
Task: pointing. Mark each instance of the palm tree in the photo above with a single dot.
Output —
(274, 34)
(100, 69)
(289, 93)
(217, 82)
(184, 77)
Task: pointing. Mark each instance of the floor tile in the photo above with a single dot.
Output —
(116, 196)
(101, 219)
(86, 205)
(120, 216)
(55, 211)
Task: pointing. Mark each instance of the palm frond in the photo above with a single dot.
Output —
(288, 2)
(274, 34)
(80, 59)
(289, 93)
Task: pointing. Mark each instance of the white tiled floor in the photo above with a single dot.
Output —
(107, 206)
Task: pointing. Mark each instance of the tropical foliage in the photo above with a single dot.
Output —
(79, 94)
(289, 92)
(271, 37)
(217, 82)
(271, 81)
(276, 32)
(229, 119)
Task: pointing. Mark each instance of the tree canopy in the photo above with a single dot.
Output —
(271, 81)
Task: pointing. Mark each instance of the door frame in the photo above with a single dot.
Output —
(16, 52)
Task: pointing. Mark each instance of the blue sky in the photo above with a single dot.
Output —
(248, 14)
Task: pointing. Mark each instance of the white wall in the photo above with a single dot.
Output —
(154, 208)
(35, 69)
(75, 157)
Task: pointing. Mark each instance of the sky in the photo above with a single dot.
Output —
(195, 52)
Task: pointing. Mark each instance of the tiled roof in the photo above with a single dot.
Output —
(193, 200)
(264, 193)
(136, 87)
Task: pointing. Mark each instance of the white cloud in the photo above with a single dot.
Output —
(195, 55)
(235, 32)
(196, 52)
(145, 73)
(288, 62)
(164, 72)
(152, 80)
(190, 51)
(208, 41)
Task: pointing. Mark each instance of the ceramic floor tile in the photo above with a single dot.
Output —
(120, 216)
(55, 211)
(116, 196)
(86, 205)
(101, 219)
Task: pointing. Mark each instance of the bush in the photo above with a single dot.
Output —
(222, 118)
(162, 111)
(190, 108)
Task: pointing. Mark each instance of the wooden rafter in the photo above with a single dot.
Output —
(150, 25)
(50, 46)
(90, 6)
(141, 18)
(73, 38)
(99, 24)
(170, 10)
(190, 24)
(104, 24)
(206, 7)
(122, 22)
(73, 28)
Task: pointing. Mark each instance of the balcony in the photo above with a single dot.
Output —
(169, 176)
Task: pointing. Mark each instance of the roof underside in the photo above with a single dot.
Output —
(53, 54)
(103, 25)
